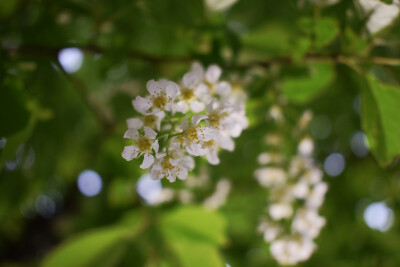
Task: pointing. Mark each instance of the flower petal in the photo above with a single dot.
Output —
(130, 152)
(197, 118)
(184, 124)
(153, 87)
(141, 104)
(182, 174)
(149, 133)
(181, 106)
(147, 161)
(134, 123)
(197, 106)
(212, 157)
(156, 146)
(131, 134)
(172, 90)
(223, 88)
(213, 73)
(196, 150)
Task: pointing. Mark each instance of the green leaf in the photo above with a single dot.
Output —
(197, 223)
(270, 39)
(195, 254)
(14, 115)
(326, 29)
(389, 2)
(301, 89)
(193, 234)
(380, 107)
(105, 246)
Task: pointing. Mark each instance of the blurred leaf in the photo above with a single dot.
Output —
(14, 115)
(194, 253)
(194, 234)
(197, 223)
(380, 106)
(305, 88)
(326, 29)
(273, 40)
(103, 246)
(354, 43)
(387, 1)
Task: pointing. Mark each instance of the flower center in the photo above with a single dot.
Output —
(210, 86)
(191, 135)
(144, 144)
(187, 94)
(215, 118)
(166, 165)
(209, 143)
(160, 101)
(149, 120)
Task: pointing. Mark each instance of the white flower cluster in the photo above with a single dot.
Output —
(296, 191)
(198, 118)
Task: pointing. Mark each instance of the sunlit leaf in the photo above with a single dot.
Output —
(380, 109)
(103, 246)
(301, 89)
(193, 234)
(326, 29)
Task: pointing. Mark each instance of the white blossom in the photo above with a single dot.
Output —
(144, 145)
(167, 139)
(162, 95)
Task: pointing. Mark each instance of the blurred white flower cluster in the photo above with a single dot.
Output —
(296, 191)
(198, 118)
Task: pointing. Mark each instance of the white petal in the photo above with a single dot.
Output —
(132, 134)
(184, 124)
(196, 150)
(149, 133)
(213, 73)
(197, 118)
(226, 142)
(156, 174)
(172, 90)
(156, 146)
(130, 152)
(223, 88)
(187, 162)
(134, 123)
(141, 104)
(182, 174)
(209, 133)
(212, 157)
(190, 79)
(153, 87)
(181, 106)
(147, 161)
(197, 67)
(197, 106)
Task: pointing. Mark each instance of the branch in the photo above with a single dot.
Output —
(52, 52)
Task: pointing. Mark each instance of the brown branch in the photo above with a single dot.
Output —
(52, 52)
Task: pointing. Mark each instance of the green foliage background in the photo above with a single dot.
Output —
(318, 57)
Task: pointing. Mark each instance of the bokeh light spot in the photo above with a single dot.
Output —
(89, 183)
(359, 145)
(150, 190)
(334, 164)
(379, 216)
(71, 59)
